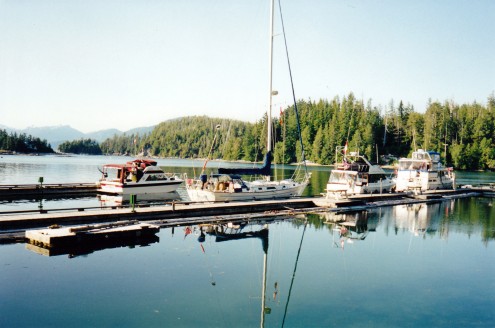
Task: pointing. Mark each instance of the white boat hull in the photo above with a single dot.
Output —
(385, 186)
(137, 188)
(274, 190)
(411, 180)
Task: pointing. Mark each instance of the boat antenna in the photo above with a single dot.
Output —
(292, 87)
(211, 149)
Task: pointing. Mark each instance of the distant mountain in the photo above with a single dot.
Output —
(55, 135)
(103, 134)
(141, 131)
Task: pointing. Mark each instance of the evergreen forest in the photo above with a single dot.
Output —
(23, 143)
(81, 146)
(462, 133)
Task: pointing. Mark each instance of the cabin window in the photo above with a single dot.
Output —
(156, 177)
(376, 177)
(341, 177)
(410, 165)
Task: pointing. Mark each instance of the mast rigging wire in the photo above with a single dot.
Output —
(292, 87)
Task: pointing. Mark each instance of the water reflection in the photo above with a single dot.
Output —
(84, 249)
(475, 215)
(214, 275)
(418, 219)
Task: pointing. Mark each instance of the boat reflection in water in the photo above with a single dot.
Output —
(238, 231)
(349, 227)
(419, 219)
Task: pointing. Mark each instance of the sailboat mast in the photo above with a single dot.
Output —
(269, 121)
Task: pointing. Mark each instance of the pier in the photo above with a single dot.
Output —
(30, 191)
(175, 210)
(182, 211)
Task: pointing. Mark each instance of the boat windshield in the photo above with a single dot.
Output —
(341, 177)
(112, 173)
(410, 165)
(435, 157)
(372, 178)
(420, 156)
(158, 177)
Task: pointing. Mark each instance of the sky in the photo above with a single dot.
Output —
(101, 64)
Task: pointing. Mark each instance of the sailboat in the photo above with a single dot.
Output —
(228, 184)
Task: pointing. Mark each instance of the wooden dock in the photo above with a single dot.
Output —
(177, 210)
(86, 239)
(30, 191)
(56, 236)
(174, 211)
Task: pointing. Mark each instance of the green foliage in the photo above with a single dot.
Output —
(192, 137)
(463, 134)
(81, 146)
(23, 143)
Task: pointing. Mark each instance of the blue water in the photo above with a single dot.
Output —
(403, 266)
(407, 266)
(84, 169)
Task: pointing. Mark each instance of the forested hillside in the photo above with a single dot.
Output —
(23, 143)
(464, 132)
(81, 146)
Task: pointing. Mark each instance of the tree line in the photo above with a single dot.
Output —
(81, 146)
(23, 143)
(462, 133)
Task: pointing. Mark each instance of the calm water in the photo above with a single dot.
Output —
(412, 266)
(75, 169)
(407, 266)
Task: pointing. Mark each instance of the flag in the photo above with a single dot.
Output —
(281, 116)
(345, 148)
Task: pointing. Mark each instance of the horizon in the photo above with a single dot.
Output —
(99, 65)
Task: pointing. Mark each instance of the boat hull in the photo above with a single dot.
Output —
(424, 171)
(411, 179)
(127, 189)
(385, 186)
(255, 192)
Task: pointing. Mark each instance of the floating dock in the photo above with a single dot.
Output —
(57, 236)
(84, 239)
(175, 210)
(181, 210)
(30, 191)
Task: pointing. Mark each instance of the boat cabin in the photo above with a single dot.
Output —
(222, 182)
(420, 161)
(134, 171)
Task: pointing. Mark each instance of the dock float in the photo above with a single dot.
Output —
(176, 210)
(57, 236)
(29, 191)
(79, 240)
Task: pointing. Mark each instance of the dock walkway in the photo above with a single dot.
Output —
(174, 211)
(28, 191)
(179, 211)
